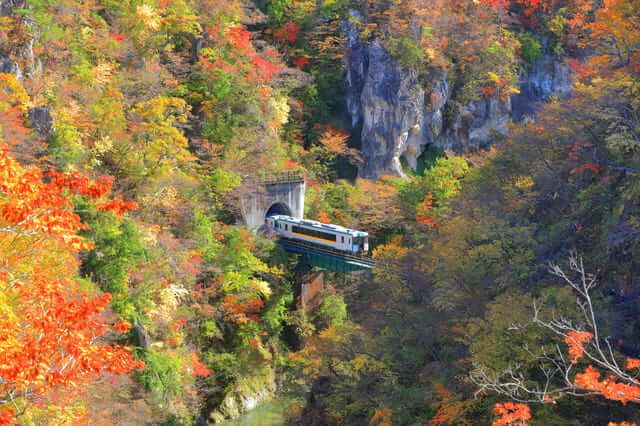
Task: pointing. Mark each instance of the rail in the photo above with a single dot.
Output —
(313, 248)
(287, 176)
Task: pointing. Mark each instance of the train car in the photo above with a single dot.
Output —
(337, 237)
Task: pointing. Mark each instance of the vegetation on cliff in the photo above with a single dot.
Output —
(130, 294)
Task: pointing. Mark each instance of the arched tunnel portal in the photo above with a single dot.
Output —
(278, 209)
(283, 194)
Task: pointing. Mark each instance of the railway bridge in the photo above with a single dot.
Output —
(282, 193)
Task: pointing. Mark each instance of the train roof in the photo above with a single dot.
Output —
(319, 225)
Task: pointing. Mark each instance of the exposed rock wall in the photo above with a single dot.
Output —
(392, 109)
(42, 121)
(356, 64)
(402, 116)
(7, 6)
(475, 124)
(8, 65)
(21, 52)
(547, 76)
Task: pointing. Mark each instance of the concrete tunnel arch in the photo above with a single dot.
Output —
(264, 200)
(278, 208)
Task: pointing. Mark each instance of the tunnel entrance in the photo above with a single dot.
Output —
(278, 208)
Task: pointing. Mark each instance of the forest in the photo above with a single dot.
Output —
(489, 148)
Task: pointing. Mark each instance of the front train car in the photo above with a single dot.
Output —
(311, 231)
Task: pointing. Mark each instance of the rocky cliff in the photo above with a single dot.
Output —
(18, 59)
(392, 104)
(401, 116)
(547, 76)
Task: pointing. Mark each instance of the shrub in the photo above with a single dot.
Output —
(406, 51)
(530, 47)
(275, 9)
(332, 311)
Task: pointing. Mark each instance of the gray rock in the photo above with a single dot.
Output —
(432, 124)
(476, 124)
(244, 397)
(144, 338)
(547, 76)
(252, 15)
(42, 121)
(9, 66)
(401, 117)
(23, 51)
(356, 64)
(7, 6)
(292, 78)
(393, 107)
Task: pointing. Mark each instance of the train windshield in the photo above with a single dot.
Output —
(361, 244)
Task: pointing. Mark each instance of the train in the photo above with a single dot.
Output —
(327, 235)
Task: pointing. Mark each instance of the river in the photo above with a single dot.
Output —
(273, 413)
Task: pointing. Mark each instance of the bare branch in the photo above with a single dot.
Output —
(556, 368)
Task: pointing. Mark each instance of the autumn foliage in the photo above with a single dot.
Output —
(289, 32)
(449, 409)
(334, 140)
(575, 341)
(55, 337)
(424, 214)
(609, 387)
(31, 206)
(512, 414)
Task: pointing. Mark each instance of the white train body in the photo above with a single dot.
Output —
(333, 236)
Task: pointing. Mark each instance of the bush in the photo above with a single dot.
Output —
(332, 311)
(406, 51)
(530, 47)
(161, 374)
(275, 9)
(118, 247)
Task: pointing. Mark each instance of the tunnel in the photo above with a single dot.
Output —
(278, 208)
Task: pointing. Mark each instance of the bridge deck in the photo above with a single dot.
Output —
(350, 262)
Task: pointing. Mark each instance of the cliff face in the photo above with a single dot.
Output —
(22, 52)
(18, 59)
(401, 118)
(547, 76)
(392, 107)
(356, 64)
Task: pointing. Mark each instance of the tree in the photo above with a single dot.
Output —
(562, 373)
(160, 143)
(55, 336)
(377, 204)
(426, 35)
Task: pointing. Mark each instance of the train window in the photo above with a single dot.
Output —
(342, 239)
(314, 234)
(286, 227)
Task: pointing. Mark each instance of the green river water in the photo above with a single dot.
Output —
(273, 413)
